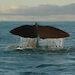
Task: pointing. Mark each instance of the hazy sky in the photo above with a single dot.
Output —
(43, 10)
(35, 2)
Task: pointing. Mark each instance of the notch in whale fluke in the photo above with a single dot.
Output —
(33, 31)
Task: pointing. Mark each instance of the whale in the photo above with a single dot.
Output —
(44, 32)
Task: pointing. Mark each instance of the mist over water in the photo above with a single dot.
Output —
(39, 61)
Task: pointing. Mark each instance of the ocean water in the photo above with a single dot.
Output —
(36, 62)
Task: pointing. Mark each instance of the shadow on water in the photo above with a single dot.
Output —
(33, 73)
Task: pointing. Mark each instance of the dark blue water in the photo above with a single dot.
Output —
(36, 62)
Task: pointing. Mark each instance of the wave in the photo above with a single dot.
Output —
(17, 47)
(40, 50)
(34, 73)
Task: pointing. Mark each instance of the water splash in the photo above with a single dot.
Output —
(45, 43)
(27, 43)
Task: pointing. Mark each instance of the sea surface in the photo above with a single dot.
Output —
(36, 62)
